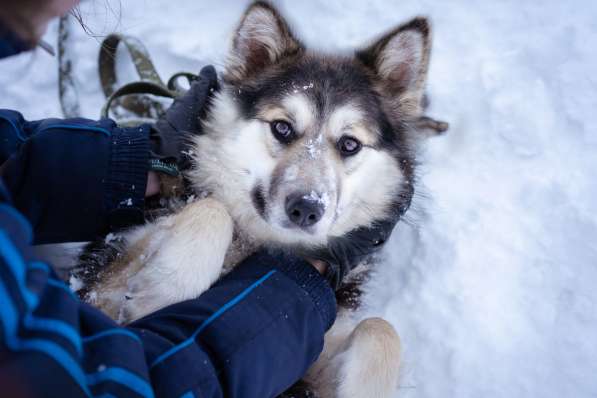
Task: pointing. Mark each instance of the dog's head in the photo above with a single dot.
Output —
(303, 146)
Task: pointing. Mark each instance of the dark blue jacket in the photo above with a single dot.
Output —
(253, 334)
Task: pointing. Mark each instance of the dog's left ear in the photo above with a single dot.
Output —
(400, 59)
(262, 39)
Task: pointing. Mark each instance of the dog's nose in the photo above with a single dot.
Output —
(304, 210)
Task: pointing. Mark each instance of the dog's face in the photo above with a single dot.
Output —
(301, 146)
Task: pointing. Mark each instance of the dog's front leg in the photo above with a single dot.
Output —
(172, 260)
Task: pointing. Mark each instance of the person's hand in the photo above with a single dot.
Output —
(170, 134)
(153, 184)
(319, 265)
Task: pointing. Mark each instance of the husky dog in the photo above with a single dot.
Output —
(298, 148)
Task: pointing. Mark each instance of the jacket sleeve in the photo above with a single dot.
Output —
(74, 179)
(253, 334)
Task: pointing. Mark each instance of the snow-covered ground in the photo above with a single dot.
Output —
(493, 286)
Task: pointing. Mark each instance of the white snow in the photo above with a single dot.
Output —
(493, 286)
(314, 146)
(75, 283)
(110, 238)
(127, 202)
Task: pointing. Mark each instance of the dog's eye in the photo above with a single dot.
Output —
(349, 146)
(282, 131)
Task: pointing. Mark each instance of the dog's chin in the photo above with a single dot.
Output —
(301, 235)
(293, 228)
(293, 234)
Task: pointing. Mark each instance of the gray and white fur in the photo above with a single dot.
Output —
(266, 190)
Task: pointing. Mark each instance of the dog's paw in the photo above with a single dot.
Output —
(369, 366)
(133, 308)
(151, 289)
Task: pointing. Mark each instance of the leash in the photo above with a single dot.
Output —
(135, 97)
(131, 104)
(67, 90)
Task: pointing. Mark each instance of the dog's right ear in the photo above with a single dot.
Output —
(262, 39)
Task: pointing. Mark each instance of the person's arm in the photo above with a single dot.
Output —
(253, 334)
(74, 179)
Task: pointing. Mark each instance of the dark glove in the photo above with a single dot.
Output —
(170, 134)
(344, 253)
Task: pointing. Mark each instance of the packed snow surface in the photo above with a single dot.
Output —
(492, 282)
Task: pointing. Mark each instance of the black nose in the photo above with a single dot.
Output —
(303, 209)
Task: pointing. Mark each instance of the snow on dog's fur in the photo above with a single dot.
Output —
(298, 148)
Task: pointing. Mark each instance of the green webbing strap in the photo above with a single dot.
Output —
(137, 51)
(141, 87)
(175, 86)
(131, 97)
(67, 90)
(133, 102)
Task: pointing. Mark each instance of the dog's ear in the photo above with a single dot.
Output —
(262, 39)
(400, 59)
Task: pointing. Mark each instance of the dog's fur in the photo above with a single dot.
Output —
(374, 95)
